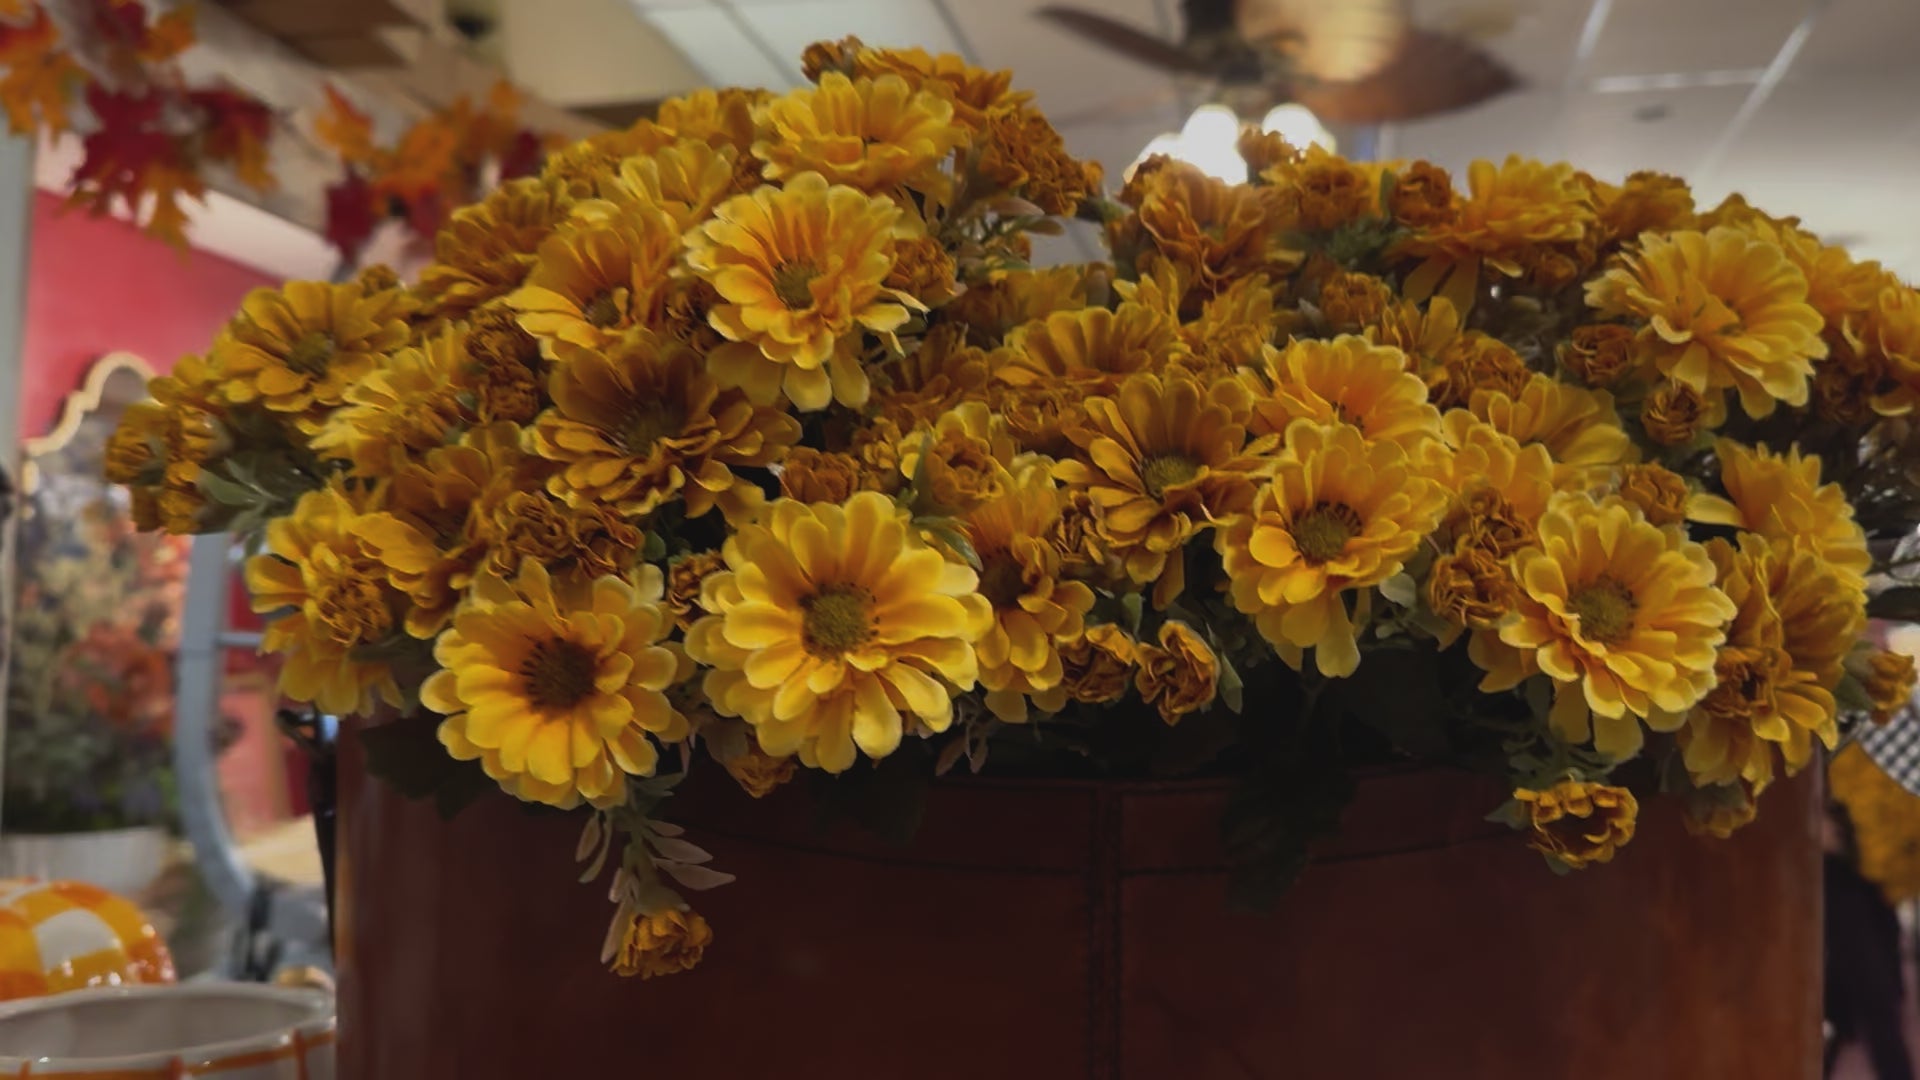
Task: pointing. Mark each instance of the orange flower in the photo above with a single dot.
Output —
(870, 134)
(1510, 208)
(1347, 380)
(1576, 823)
(1181, 676)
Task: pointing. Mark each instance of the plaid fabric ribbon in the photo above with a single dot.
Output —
(1895, 746)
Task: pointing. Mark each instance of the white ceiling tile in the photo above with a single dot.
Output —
(1535, 38)
(645, 6)
(720, 49)
(1670, 131)
(1649, 36)
(789, 26)
(1070, 78)
(1855, 35)
(1521, 123)
(1859, 125)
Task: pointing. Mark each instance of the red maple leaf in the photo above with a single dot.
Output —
(351, 214)
(235, 133)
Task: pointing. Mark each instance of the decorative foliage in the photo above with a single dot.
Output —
(748, 433)
(153, 135)
(444, 161)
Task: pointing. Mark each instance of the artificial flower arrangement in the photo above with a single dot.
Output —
(749, 433)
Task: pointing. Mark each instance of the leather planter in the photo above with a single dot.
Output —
(1067, 930)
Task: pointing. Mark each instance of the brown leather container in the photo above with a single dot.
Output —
(1064, 930)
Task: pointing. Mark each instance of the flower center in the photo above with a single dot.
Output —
(1322, 533)
(648, 422)
(352, 610)
(1001, 581)
(1605, 610)
(558, 673)
(603, 310)
(792, 283)
(1163, 471)
(309, 355)
(838, 618)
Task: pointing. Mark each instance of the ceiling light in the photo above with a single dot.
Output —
(1209, 139)
(1297, 124)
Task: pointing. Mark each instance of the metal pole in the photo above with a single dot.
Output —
(200, 668)
(16, 227)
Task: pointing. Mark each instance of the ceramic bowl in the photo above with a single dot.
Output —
(236, 1031)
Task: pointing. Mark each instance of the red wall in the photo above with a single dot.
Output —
(99, 285)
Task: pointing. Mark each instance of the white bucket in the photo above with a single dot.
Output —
(234, 1031)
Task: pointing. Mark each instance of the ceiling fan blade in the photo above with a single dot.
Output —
(1430, 74)
(1120, 110)
(1329, 40)
(1116, 36)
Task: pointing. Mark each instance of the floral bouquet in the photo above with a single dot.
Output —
(750, 433)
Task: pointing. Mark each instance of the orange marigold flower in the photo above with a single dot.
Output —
(1181, 676)
(1323, 191)
(1022, 153)
(1215, 230)
(1674, 413)
(1098, 668)
(1475, 361)
(1423, 196)
(1350, 302)
(1647, 201)
(1599, 354)
(960, 461)
(1577, 823)
(1471, 588)
(1659, 492)
(810, 475)
(662, 943)
(757, 772)
(1889, 679)
(485, 251)
(924, 270)
(1509, 209)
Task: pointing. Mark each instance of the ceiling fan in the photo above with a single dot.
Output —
(1358, 62)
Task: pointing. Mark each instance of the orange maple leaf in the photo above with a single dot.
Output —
(169, 35)
(423, 162)
(344, 128)
(41, 76)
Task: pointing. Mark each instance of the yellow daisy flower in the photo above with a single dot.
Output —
(1892, 325)
(1723, 308)
(829, 623)
(407, 405)
(598, 276)
(870, 134)
(1509, 208)
(297, 349)
(642, 422)
(799, 268)
(963, 459)
(555, 695)
(1034, 610)
(1348, 380)
(484, 251)
(1093, 349)
(1622, 615)
(331, 593)
(1579, 427)
(1341, 513)
(1162, 460)
(1760, 699)
(687, 178)
(1780, 496)
(424, 534)
(972, 91)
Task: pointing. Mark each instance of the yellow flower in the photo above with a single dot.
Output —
(1340, 513)
(1893, 325)
(1423, 196)
(642, 422)
(1021, 152)
(960, 462)
(1499, 487)
(1723, 308)
(1760, 700)
(319, 573)
(870, 134)
(972, 91)
(1473, 362)
(686, 577)
(687, 178)
(1577, 823)
(1579, 427)
(1599, 354)
(799, 268)
(594, 278)
(503, 368)
(1180, 676)
(1233, 327)
(924, 270)
(1659, 492)
(298, 349)
(1822, 612)
(407, 405)
(1099, 667)
(1622, 615)
(1213, 230)
(1034, 611)
(1162, 461)
(1780, 496)
(556, 692)
(757, 773)
(1351, 302)
(1888, 677)
(1347, 380)
(829, 622)
(1092, 348)
(1423, 335)
(1885, 818)
(1720, 810)
(809, 475)
(484, 251)
(424, 534)
(991, 309)
(1322, 191)
(519, 521)
(1648, 200)
(1471, 587)
(1675, 413)
(662, 943)
(1509, 209)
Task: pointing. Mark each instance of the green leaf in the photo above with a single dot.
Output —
(1378, 697)
(1851, 695)
(407, 754)
(1509, 814)
(227, 492)
(1399, 589)
(1230, 685)
(1272, 819)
